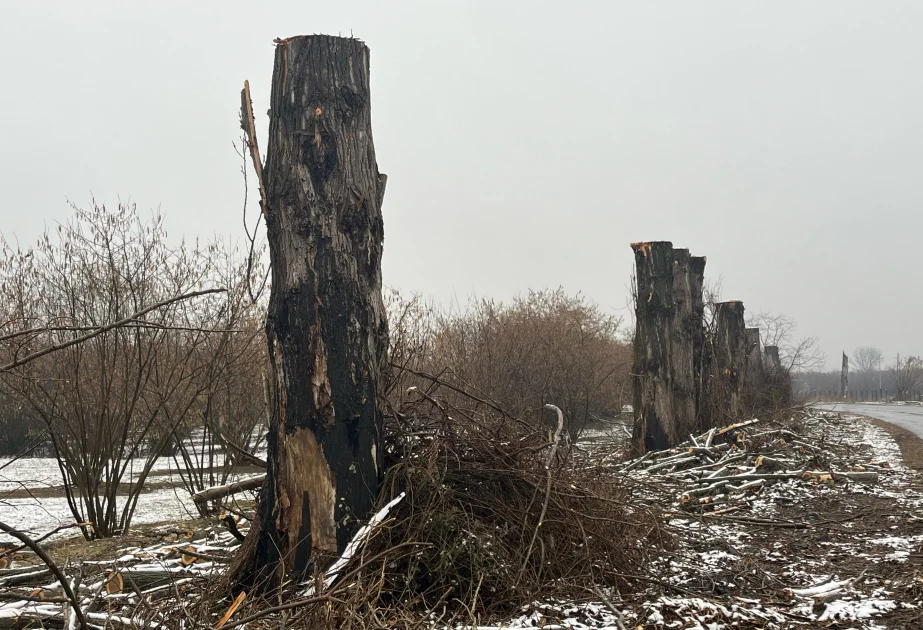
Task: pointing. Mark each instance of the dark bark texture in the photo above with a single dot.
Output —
(684, 332)
(730, 360)
(652, 387)
(326, 324)
(697, 284)
(844, 377)
(755, 382)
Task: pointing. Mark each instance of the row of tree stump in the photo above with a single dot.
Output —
(692, 372)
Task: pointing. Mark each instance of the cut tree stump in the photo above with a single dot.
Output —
(697, 284)
(652, 385)
(755, 377)
(730, 361)
(686, 327)
(669, 345)
(326, 323)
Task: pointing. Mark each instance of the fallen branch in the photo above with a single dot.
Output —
(65, 585)
(219, 492)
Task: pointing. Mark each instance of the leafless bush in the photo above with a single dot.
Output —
(907, 375)
(113, 403)
(544, 347)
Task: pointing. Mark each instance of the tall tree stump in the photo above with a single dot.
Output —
(326, 323)
(684, 331)
(771, 362)
(730, 348)
(755, 378)
(778, 380)
(652, 384)
(844, 377)
(697, 284)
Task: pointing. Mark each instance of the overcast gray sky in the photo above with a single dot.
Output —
(526, 143)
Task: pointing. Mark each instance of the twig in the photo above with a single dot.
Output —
(46, 536)
(68, 592)
(551, 454)
(106, 328)
(619, 618)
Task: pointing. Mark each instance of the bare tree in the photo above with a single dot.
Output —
(867, 359)
(907, 376)
(796, 353)
(229, 420)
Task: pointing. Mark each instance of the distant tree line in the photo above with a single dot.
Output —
(871, 375)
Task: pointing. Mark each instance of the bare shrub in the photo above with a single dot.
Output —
(544, 347)
(907, 376)
(113, 403)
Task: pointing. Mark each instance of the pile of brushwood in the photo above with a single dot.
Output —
(722, 471)
(495, 516)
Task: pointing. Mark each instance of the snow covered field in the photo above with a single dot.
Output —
(39, 515)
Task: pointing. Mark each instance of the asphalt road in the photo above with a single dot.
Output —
(909, 417)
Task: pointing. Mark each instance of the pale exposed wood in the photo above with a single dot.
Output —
(249, 126)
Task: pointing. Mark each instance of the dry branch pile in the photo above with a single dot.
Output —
(720, 472)
(141, 588)
(481, 531)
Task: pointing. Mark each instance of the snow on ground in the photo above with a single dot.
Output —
(37, 516)
(853, 566)
(40, 515)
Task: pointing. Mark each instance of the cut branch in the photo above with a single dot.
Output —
(65, 585)
(103, 329)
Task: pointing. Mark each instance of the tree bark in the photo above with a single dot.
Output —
(755, 381)
(326, 323)
(654, 418)
(772, 362)
(219, 492)
(844, 377)
(684, 332)
(697, 284)
(730, 349)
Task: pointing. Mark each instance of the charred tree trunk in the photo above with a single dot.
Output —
(684, 332)
(654, 419)
(326, 323)
(730, 362)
